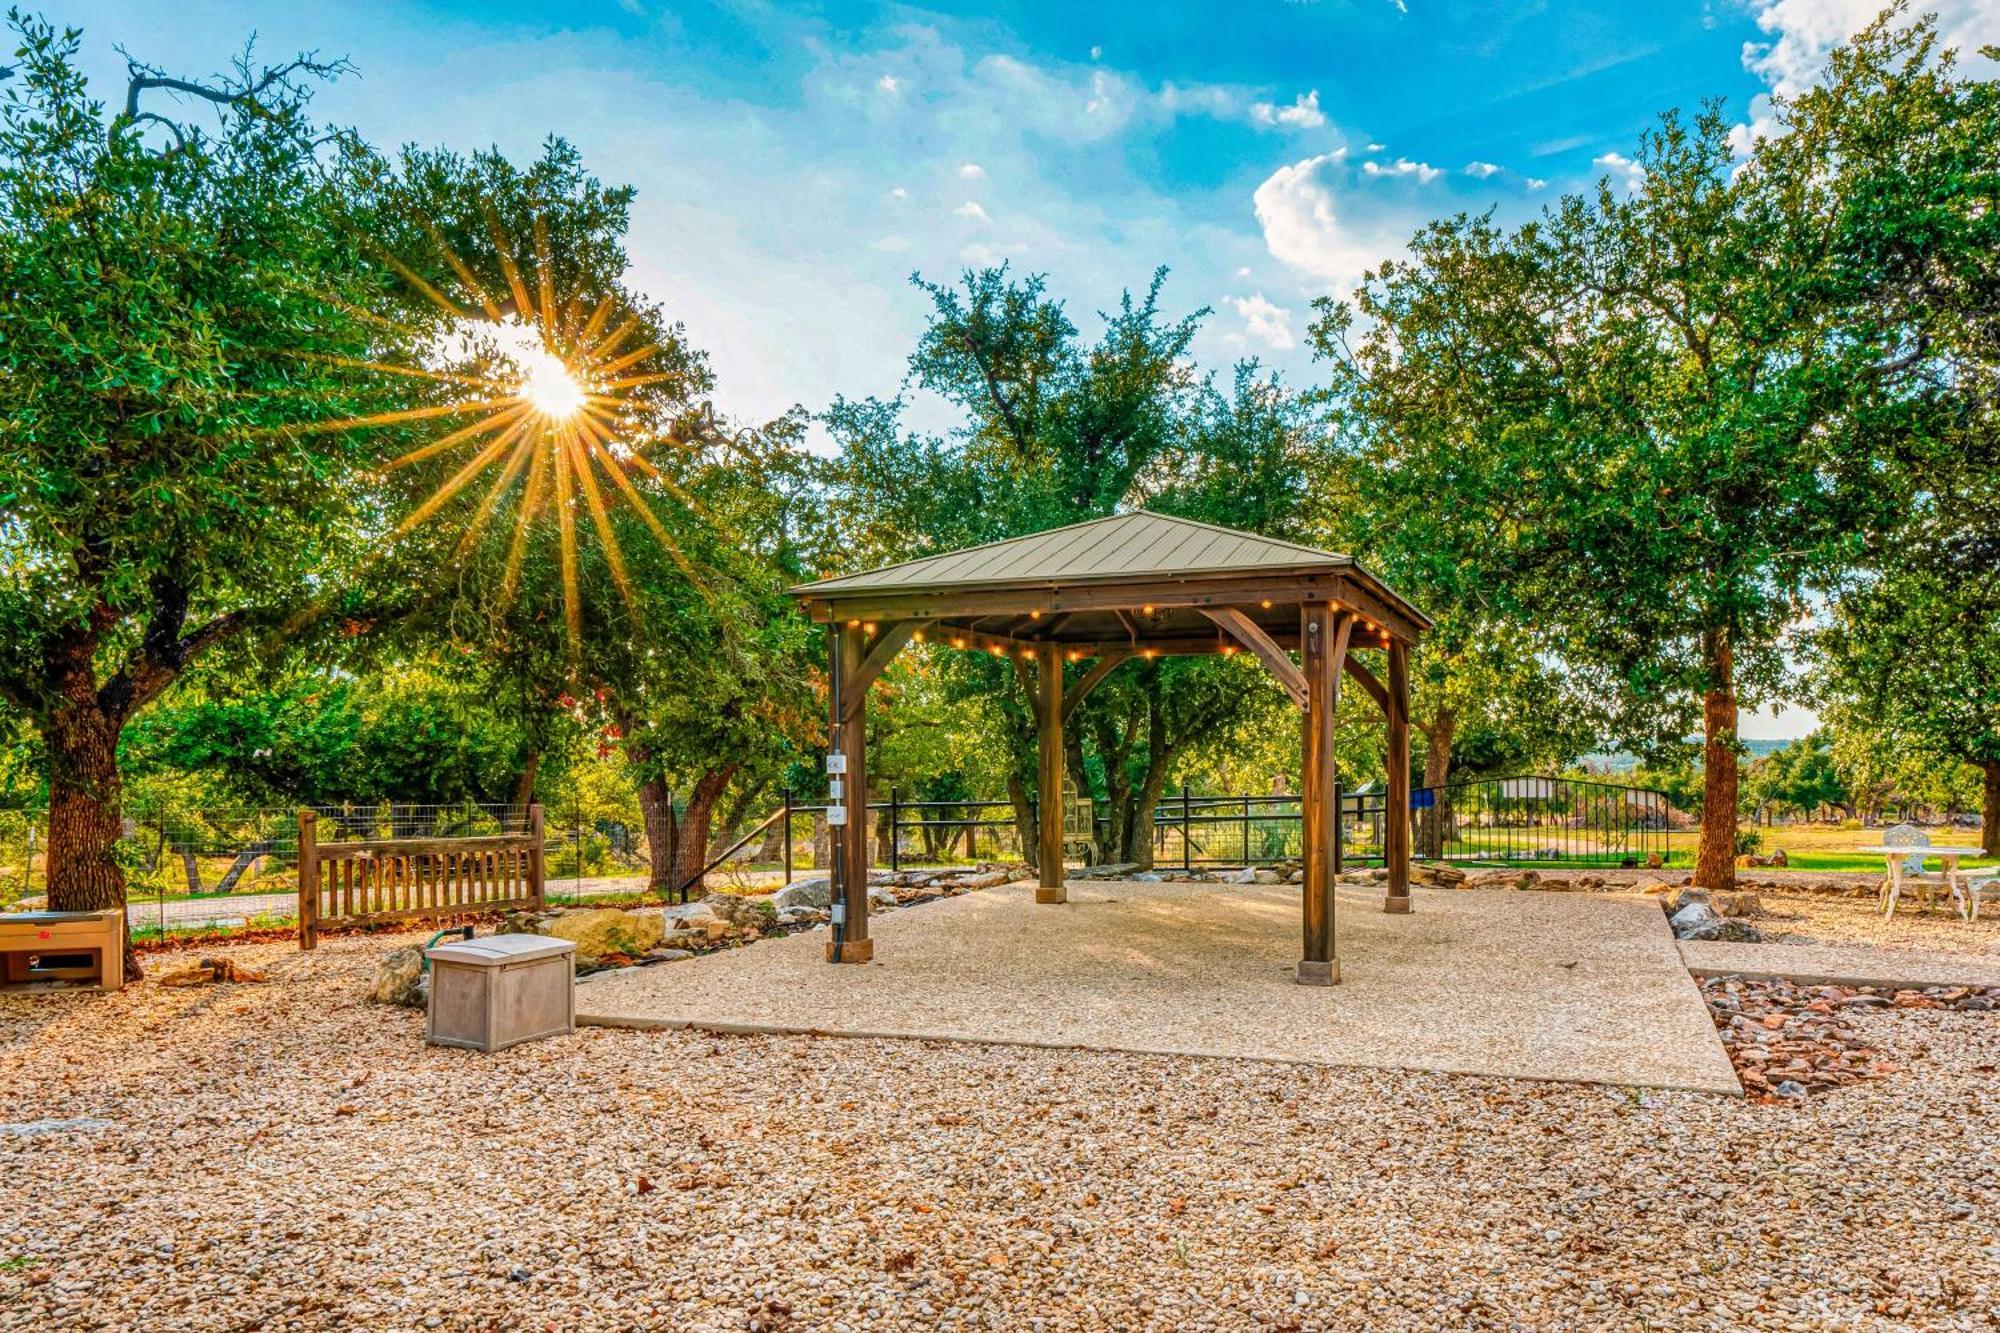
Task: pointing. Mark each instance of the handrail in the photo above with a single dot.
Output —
(727, 852)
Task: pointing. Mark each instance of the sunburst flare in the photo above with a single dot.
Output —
(548, 414)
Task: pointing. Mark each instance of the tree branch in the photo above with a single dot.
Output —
(163, 652)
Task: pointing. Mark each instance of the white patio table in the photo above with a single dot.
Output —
(1951, 878)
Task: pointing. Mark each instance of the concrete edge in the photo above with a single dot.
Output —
(719, 1027)
(1807, 977)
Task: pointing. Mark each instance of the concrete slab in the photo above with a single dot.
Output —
(1839, 965)
(1550, 986)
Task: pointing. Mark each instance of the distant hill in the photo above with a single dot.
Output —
(1621, 762)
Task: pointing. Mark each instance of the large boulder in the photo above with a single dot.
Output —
(607, 932)
(400, 979)
(1699, 921)
(813, 892)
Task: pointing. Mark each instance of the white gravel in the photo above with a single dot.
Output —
(287, 1156)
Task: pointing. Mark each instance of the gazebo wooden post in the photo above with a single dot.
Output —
(1396, 819)
(1049, 737)
(849, 737)
(1317, 630)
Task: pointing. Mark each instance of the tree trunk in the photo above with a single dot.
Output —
(1024, 820)
(885, 834)
(191, 869)
(1715, 859)
(1139, 833)
(245, 859)
(1989, 808)
(657, 815)
(86, 820)
(524, 785)
(691, 841)
(1432, 830)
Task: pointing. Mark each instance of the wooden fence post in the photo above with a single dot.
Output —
(308, 880)
(535, 855)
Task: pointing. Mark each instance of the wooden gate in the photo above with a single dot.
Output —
(396, 879)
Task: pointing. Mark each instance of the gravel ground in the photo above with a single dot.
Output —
(285, 1155)
(1799, 918)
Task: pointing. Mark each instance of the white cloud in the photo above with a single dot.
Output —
(1265, 322)
(972, 171)
(887, 83)
(1802, 32)
(899, 193)
(1302, 114)
(1481, 170)
(1309, 227)
(1537, 183)
(1402, 166)
(1097, 53)
(971, 211)
(892, 245)
(1622, 170)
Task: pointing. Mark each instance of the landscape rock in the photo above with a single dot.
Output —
(607, 932)
(741, 911)
(1117, 870)
(814, 892)
(1696, 921)
(667, 955)
(400, 979)
(1686, 898)
(1743, 902)
(801, 916)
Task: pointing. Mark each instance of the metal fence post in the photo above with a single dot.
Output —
(895, 827)
(788, 835)
(1187, 847)
(1246, 830)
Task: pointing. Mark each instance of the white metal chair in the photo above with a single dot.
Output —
(1971, 889)
(1908, 871)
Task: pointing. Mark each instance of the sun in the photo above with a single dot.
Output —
(544, 394)
(549, 387)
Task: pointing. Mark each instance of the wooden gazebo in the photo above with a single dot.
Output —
(1138, 584)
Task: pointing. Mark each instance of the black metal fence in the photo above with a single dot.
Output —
(1503, 821)
(1535, 819)
(1190, 830)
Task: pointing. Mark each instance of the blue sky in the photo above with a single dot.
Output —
(795, 163)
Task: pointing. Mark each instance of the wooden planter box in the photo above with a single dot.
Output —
(489, 994)
(63, 950)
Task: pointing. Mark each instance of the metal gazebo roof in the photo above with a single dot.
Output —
(1083, 578)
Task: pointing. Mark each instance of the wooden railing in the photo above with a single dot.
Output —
(396, 879)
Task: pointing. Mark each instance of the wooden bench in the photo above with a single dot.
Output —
(57, 950)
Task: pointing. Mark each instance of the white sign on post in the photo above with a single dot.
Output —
(836, 816)
(836, 763)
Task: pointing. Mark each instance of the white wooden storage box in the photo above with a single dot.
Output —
(489, 994)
